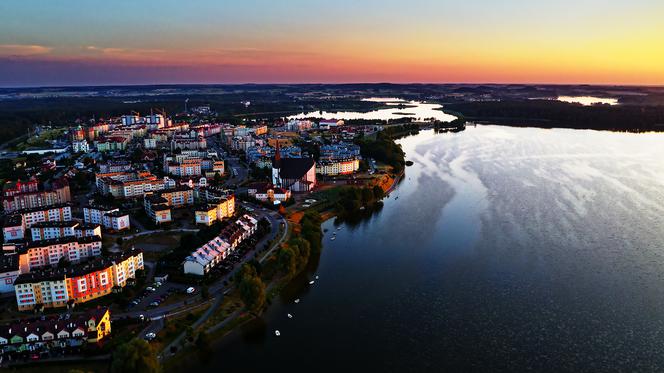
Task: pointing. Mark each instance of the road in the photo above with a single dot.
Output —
(216, 290)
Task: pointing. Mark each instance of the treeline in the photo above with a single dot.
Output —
(351, 200)
(550, 113)
(294, 256)
(384, 149)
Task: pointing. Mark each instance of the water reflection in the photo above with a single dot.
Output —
(508, 249)
(412, 109)
(588, 100)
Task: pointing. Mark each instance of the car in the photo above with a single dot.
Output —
(150, 289)
(191, 290)
(150, 336)
(154, 304)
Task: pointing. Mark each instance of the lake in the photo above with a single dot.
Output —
(413, 109)
(503, 249)
(588, 100)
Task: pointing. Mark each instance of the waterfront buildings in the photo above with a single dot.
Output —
(206, 257)
(266, 192)
(294, 174)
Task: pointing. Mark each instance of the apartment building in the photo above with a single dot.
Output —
(27, 196)
(110, 218)
(206, 257)
(59, 287)
(209, 213)
(44, 253)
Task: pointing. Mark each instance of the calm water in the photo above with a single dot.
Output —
(414, 109)
(588, 100)
(507, 249)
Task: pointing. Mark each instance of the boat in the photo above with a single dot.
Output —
(311, 282)
(297, 300)
(339, 228)
(332, 239)
(276, 332)
(396, 198)
(290, 316)
(316, 277)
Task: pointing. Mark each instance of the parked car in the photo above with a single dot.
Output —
(191, 290)
(150, 336)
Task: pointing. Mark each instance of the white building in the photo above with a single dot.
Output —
(150, 143)
(51, 230)
(109, 218)
(206, 257)
(48, 252)
(9, 271)
(80, 146)
(330, 123)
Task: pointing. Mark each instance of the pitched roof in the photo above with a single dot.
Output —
(295, 168)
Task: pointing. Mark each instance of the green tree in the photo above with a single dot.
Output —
(252, 288)
(135, 356)
(287, 261)
(378, 192)
(205, 292)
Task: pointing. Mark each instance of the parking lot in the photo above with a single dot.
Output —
(155, 294)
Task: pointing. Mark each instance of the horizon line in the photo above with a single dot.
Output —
(645, 85)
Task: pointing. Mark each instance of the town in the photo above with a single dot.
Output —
(146, 225)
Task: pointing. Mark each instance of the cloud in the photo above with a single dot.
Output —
(23, 50)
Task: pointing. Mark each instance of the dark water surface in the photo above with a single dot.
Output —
(507, 249)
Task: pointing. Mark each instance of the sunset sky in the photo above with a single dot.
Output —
(323, 41)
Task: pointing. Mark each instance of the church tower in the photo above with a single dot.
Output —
(276, 167)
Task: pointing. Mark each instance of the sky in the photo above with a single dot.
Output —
(90, 42)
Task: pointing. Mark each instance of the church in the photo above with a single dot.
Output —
(295, 174)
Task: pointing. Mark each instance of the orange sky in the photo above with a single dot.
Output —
(582, 41)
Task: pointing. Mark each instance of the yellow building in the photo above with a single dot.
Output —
(212, 212)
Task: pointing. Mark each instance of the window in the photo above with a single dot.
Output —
(82, 285)
(103, 279)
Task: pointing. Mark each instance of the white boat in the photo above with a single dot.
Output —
(332, 239)
(316, 277)
(311, 282)
(276, 332)
(290, 316)
(339, 228)
(297, 300)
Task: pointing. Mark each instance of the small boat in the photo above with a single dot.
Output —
(311, 282)
(316, 277)
(362, 208)
(297, 300)
(339, 228)
(290, 316)
(332, 239)
(276, 332)
(396, 198)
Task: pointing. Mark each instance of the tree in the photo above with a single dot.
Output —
(378, 192)
(252, 288)
(205, 292)
(287, 261)
(135, 356)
